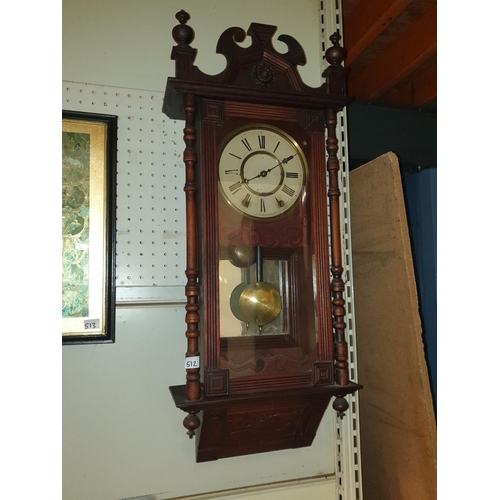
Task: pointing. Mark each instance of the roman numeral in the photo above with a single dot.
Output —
(235, 156)
(288, 190)
(292, 175)
(235, 187)
(262, 141)
(262, 205)
(274, 150)
(232, 171)
(246, 144)
(246, 200)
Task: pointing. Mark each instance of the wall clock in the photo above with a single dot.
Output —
(266, 348)
(261, 171)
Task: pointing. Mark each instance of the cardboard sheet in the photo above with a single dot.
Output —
(396, 417)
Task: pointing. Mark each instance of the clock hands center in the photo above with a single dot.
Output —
(264, 173)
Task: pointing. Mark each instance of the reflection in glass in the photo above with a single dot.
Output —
(237, 285)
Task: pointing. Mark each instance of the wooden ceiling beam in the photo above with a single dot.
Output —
(413, 48)
(366, 22)
(425, 88)
(418, 92)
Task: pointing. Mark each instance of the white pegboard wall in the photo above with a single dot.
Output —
(150, 213)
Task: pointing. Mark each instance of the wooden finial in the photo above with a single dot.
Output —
(336, 74)
(182, 16)
(182, 33)
(191, 423)
(335, 55)
(340, 405)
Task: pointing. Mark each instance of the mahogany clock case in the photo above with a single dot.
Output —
(260, 392)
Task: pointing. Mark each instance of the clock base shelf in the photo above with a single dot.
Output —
(254, 423)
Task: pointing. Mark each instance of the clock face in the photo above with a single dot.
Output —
(262, 171)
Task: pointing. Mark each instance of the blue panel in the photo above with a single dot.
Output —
(375, 130)
(421, 202)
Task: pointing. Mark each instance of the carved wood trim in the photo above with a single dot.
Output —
(216, 383)
(265, 75)
(257, 111)
(255, 385)
(320, 222)
(210, 248)
(212, 110)
(323, 373)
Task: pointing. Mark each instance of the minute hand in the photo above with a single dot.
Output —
(285, 160)
(265, 172)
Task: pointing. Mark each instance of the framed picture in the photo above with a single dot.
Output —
(88, 227)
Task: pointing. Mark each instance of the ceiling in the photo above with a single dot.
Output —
(391, 51)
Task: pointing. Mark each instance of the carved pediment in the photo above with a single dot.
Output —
(260, 64)
(256, 70)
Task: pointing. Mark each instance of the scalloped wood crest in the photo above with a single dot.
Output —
(259, 66)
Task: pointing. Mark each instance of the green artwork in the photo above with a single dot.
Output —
(75, 224)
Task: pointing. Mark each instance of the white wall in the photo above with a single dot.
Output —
(127, 44)
(122, 435)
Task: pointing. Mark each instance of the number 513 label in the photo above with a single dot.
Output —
(92, 324)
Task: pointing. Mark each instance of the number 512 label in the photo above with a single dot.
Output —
(192, 362)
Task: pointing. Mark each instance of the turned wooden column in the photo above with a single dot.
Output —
(337, 283)
(193, 388)
(336, 79)
(192, 273)
(184, 56)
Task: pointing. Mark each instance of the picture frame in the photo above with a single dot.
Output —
(89, 146)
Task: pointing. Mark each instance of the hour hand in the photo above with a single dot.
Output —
(246, 181)
(261, 174)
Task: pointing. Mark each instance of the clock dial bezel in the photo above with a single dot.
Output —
(284, 209)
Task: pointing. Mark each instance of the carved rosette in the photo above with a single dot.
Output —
(263, 74)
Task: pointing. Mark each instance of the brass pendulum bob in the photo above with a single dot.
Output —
(260, 302)
(234, 302)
